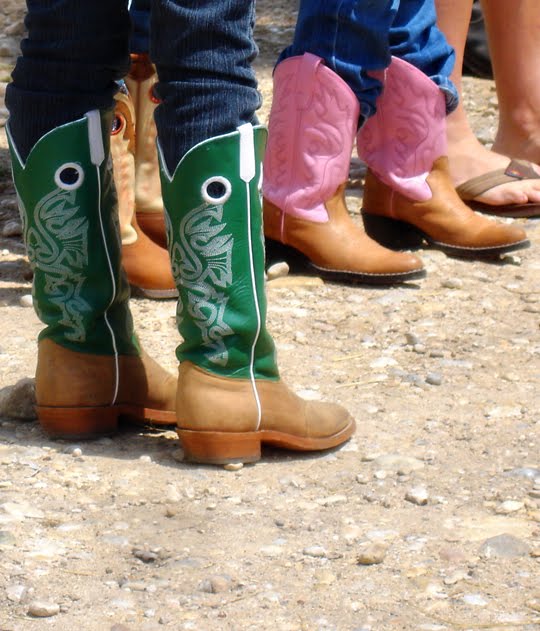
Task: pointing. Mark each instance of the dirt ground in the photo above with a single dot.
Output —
(428, 519)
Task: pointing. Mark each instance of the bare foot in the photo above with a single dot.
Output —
(468, 158)
(519, 142)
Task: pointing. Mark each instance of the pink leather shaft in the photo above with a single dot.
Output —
(313, 120)
(407, 134)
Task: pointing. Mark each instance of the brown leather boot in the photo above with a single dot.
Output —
(230, 397)
(148, 201)
(313, 121)
(443, 222)
(147, 265)
(210, 402)
(82, 396)
(337, 249)
(409, 199)
(91, 370)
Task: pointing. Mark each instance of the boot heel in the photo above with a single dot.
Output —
(78, 423)
(392, 233)
(220, 447)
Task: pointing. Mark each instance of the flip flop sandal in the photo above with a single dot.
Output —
(517, 170)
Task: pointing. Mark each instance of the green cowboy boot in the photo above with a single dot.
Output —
(90, 370)
(230, 398)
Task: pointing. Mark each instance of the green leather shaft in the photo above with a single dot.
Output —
(217, 255)
(69, 211)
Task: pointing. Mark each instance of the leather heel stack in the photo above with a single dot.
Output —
(78, 423)
(220, 447)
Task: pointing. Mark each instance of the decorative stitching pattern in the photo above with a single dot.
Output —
(57, 245)
(202, 264)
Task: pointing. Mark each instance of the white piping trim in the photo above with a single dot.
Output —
(14, 146)
(247, 173)
(113, 338)
(257, 312)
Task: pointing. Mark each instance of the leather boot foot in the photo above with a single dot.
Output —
(153, 225)
(337, 249)
(83, 396)
(148, 268)
(220, 419)
(443, 222)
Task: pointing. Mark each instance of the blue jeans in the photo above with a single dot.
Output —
(355, 37)
(77, 50)
(139, 11)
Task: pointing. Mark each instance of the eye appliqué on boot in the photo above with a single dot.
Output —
(69, 176)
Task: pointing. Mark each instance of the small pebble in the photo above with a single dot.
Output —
(26, 300)
(412, 339)
(417, 495)
(277, 270)
(372, 554)
(12, 229)
(509, 506)
(504, 546)
(315, 551)
(233, 466)
(477, 600)
(43, 609)
(216, 584)
(452, 283)
(434, 378)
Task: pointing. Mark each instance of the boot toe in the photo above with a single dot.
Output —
(325, 420)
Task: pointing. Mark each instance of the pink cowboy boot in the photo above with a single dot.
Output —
(312, 125)
(409, 198)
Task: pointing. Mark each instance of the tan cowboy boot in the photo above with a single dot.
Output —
(313, 122)
(91, 370)
(147, 265)
(148, 201)
(409, 199)
(230, 398)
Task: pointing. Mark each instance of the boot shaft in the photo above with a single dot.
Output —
(401, 142)
(123, 157)
(213, 211)
(68, 206)
(313, 121)
(140, 83)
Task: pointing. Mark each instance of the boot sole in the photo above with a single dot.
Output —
(86, 423)
(400, 235)
(153, 294)
(230, 447)
(299, 262)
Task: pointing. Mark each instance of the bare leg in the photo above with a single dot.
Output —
(468, 157)
(514, 38)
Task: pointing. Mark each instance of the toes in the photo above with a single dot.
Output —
(511, 193)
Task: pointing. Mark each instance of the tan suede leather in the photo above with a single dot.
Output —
(338, 244)
(148, 200)
(146, 264)
(444, 219)
(209, 403)
(76, 381)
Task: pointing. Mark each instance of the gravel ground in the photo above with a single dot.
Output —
(429, 519)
